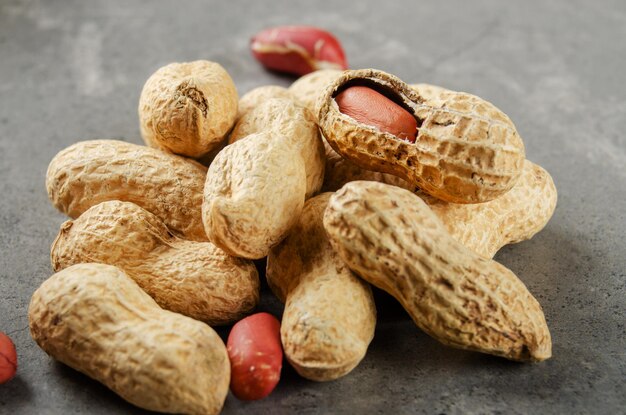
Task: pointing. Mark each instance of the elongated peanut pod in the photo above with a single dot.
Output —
(329, 315)
(393, 240)
(254, 193)
(196, 279)
(513, 217)
(256, 356)
(95, 319)
(466, 150)
(91, 172)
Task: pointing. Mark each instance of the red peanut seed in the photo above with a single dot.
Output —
(372, 108)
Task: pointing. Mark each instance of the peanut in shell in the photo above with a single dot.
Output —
(91, 172)
(196, 279)
(466, 151)
(391, 238)
(96, 319)
(329, 315)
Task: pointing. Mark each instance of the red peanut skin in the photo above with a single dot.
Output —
(256, 356)
(370, 107)
(8, 358)
(298, 49)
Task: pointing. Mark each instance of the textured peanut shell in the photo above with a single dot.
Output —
(307, 89)
(196, 279)
(287, 119)
(91, 172)
(393, 240)
(253, 195)
(513, 217)
(339, 171)
(95, 319)
(329, 315)
(256, 96)
(467, 151)
(187, 108)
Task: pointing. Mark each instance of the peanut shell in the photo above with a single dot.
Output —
(297, 124)
(253, 195)
(187, 108)
(95, 319)
(329, 316)
(467, 151)
(196, 279)
(391, 238)
(91, 172)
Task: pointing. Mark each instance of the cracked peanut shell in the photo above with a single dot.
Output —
(95, 319)
(187, 108)
(91, 172)
(196, 279)
(329, 315)
(466, 151)
(391, 238)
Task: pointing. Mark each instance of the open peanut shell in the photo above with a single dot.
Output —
(466, 150)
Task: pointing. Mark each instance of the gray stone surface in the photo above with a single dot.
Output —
(73, 70)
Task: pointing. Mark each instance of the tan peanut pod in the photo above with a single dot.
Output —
(339, 171)
(329, 316)
(393, 240)
(286, 118)
(253, 195)
(196, 279)
(513, 217)
(187, 108)
(95, 319)
(256, 96)
(466, 151)
(91, 172)
(307, 89)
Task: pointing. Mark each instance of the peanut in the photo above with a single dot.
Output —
(329, 315)
(166, 185)
(374, 109)
(254, 193)
(256, 187)
(513, 217)
(307, 89)
(466, 150)
(95, 319)
(187, 108)
(256, 356)
(196, 279)
(8, 359)
(294, 122)
(297, 49)
(393, 240)
(257, 96)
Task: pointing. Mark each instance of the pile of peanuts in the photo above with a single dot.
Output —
(344, 179)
